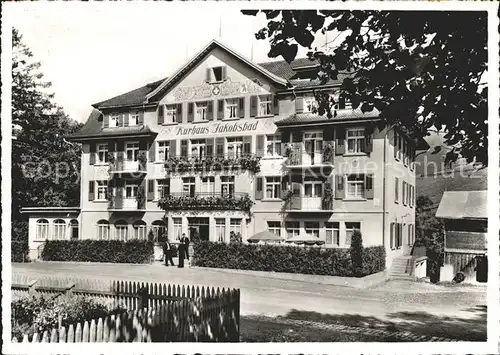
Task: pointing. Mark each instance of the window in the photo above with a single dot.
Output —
(114, 120)
(198, 148)
(342, 103)
(134, 119)
(208, 185)
(292, 229)
(42, 229)
(132, 151)
(234, 147)
(121, 230)
(350, 227)
(273, 145)
(312, 228)
(217, 74)
(131, 190)
(163, 151)
(162, 188)
(404, 193)
(59, 230)
(159, 228)
(231, 108)
(188, 186)
(201, 111)
(309, 103)
(355, 140)
(265, 105)
(274, 227)
(355, 186)
(177, 228)
(103, 230)
(171, 114)
(273, 187)
(140, 230)
(410, 234)
(102, 190)
(220, 229)
(102, 153)
(332, 233)
(313, 189)
(405, 152)
(396, 190)
(227, 185)
(235, 226)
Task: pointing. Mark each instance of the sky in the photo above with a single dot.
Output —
(92, 53)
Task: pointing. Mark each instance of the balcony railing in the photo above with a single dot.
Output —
(206, 201)
(213, 162)
(303, 203)
(296, 155)
(120, 203)
(122, 165)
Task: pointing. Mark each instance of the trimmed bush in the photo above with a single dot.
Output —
(290, 259)
(19, 242)
(101, 251)
(356, 252)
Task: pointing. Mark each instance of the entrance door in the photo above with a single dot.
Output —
(74, 228)
(198, 228)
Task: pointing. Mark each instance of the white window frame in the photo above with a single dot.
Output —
(162, 147)
(102, 190)
(227, 185)
(103, 231)
(396, 190)
(359, 140)
(190, 184)
(121, 232)
(171, 113)
(273, 145)
(134, 148)
(201, 111)
(160, 188)
(158, 229)
(292, 229)
(265, 105)
(132, 187)
(309, 103)
(208, 185)
(220, 229)
(272, 183)
(200, 145)
(113, 120)
(42, 229)
(236, 144)
(359, 184)
(214, 78)
(133, 119)
(231, 109)
(177, 224)
(274, 227)
(102, 153)
(235, 226)
(311, 227)
(315, 186)
(332, 233)
(351, 231)
(140, 231)
(59, 230)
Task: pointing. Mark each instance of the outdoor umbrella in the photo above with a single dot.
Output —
(264, 236)
(307, 239)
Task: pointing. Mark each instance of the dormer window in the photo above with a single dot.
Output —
(216, 74)
(114, 120)
(134, 119)
(309, 103)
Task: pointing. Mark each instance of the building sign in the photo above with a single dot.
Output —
(218, 128)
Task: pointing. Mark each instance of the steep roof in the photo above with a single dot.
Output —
(463, 205)
(298, 119)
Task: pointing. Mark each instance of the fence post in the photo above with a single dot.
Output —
(31, 287)
(143, 297)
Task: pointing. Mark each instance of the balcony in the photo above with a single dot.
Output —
(185, 163)
(303, 203)
(119, 203)
(298, 157)
(210, 201)
(123, 166)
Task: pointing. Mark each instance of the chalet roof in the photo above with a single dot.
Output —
(463, 205)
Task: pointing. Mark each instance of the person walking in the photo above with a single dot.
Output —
(167, 250)
(181, 251)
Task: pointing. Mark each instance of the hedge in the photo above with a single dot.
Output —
(19, 242)
(290, 259)
(112, 251)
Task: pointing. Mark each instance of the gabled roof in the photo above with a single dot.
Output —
(200, 55)
(131, 98)
(463, 205)
(299, 119)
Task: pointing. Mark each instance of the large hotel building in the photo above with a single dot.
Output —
(223, 132)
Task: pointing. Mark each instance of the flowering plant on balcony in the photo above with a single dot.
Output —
(109, 197)
(141, 197)
(327, 201)
(142, 159)
(287, 197)
(288, 151)
(184, 163)
(221, 202)
(327, 152)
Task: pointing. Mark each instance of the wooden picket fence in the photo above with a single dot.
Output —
(155, 312)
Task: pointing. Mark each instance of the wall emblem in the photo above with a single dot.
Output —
(216, 91)
(269, 123)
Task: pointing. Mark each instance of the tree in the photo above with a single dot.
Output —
(45, 167)
(356, 252)
(420, 69)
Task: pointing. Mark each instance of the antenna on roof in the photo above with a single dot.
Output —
(220, 26)
(251, 51)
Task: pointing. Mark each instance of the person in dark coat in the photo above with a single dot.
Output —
(167, 251)
(181, 251)
(186, 241)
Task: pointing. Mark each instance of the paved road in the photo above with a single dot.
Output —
(272, 297)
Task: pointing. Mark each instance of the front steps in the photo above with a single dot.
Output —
(401, 268)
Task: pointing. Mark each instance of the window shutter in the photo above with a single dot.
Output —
(369, 186)
(141, 118)
(259, 191)
(220, 109)
(340, 141)
(151, 190)
(395, 144)
(126, 117)
(210, 110)
(178, 118)
(120, 120)
(253, 106)
(161, 110)
(91, 190)
(105, 121)
(210, 146)
(247, 145)
(299, 105)
(92, 153)
(224, 73)
(276, 105)
(260, 145)
(404, 193)
(392, 236)
(284, 185)
(190, 115)
(171, 147)
(208, 75)
(184, 148)
(339, 190)
(368, 139)
(219, 146)
(396, 189)
(152, 151)
(241, 107)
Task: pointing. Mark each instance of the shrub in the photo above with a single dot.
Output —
(19, 242)
(113, 251)
(356, 252)
(291, 259)
(235, 237)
